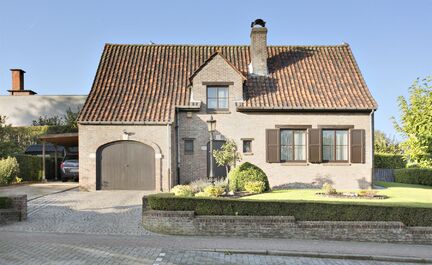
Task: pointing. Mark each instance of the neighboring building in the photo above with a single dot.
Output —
(23, 106)
(301, 113)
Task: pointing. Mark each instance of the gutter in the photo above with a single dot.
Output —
(123, 123)
(177, 142)
(169, 155)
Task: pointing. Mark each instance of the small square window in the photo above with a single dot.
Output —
(188, 146)
(247, 146)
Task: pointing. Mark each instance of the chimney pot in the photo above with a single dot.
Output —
(258, 48)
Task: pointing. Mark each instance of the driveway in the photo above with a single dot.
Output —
(101, 212)
(36, 190)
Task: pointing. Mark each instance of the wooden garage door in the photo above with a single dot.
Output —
(126, 165)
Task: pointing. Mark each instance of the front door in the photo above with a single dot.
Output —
(219, 171)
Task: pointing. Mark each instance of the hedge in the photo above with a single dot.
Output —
(245, 172)
(5, 203)
(382, 160)
(421, 176)
(301, 210)
(30, 167)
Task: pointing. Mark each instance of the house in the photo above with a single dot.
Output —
(301, 113)
(22, 106)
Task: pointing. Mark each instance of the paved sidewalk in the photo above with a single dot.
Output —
(46, 248)
(37, 190)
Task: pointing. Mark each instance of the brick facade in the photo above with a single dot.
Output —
(186, 223)
(236, 125)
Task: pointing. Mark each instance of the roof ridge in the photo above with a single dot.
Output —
(224, 45)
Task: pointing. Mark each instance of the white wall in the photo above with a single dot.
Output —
(22, 110)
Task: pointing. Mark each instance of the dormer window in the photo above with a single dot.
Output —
(217, 98)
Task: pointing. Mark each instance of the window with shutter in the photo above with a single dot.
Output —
(314, 145)
(357, 146)
(272, 146)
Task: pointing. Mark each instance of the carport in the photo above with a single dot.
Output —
(63, 139)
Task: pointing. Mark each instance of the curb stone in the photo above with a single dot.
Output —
(321, 255)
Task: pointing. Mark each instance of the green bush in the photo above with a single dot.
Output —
(244, 173)
(9, 170)
(421, 176)
(5, 203)
(328, 189)
(383, 160)
(301, 210)
(182, 190)
(214, 191)
(255, 186)
(30, 167)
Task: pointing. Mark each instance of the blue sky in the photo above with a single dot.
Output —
(59, 43)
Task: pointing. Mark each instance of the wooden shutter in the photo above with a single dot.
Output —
(357, 154)
(272, 146)
(315, 145)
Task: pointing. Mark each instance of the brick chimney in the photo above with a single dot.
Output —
(258, 48)
(18, 84)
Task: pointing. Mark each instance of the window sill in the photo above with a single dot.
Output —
(330, 164)
(295, 164)
(218, 111)
(248, 154)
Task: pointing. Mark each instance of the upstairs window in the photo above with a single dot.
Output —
(217, 98)
(335, 145)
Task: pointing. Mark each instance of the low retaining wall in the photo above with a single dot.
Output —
(17, 210)
(187, 223)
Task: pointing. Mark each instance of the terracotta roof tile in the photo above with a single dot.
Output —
(143, 83)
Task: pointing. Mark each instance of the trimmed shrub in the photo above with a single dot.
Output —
(182, 190)
(9, 170)
(30, 167)
(301, 210)
(255, 186)
(244, 173)
(214, 191)
(421, 176)
(382, 160)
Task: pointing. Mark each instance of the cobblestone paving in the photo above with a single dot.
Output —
(51, 253)
(110, 212)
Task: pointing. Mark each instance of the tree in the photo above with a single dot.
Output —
(416, 123)
(7, 144)
(385, 144)
(228, 155)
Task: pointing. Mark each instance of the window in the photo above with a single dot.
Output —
(247, 146)
(292, 145)
(188, 146)
(335, 145)
(217, 98)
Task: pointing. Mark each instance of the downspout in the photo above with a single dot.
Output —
(177, 146)
(169, 155)
(372, 129)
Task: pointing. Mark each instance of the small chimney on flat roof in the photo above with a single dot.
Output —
(258, 48)
(18, 84)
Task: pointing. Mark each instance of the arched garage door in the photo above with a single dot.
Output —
(125, 165)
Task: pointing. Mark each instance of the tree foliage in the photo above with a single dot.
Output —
(385, 144)
(228, 155)
(415, 123)
(69, 119)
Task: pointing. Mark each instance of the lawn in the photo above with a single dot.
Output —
(399, 195)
